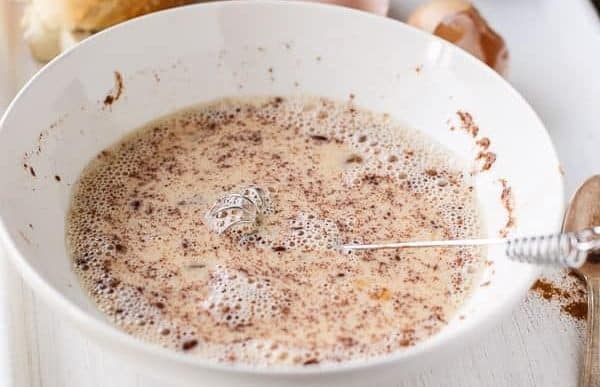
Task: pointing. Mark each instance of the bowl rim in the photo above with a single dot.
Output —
(111, 333)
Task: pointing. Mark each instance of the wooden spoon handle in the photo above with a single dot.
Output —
(590, 376)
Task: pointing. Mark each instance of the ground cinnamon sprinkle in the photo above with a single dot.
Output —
(117, 90)
(569, 292)
(467, 123)
(547, 290)
(576, 309)
(484, 143)
(489, 158)
(508, 202)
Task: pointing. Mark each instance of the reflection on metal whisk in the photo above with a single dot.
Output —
(564, 249)
(238, 209)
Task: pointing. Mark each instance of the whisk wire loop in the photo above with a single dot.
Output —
(237, 209)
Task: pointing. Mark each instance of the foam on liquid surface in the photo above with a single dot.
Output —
(283, 293)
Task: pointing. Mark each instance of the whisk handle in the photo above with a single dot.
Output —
(564, 249)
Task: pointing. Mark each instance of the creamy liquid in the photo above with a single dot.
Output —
(284, 294)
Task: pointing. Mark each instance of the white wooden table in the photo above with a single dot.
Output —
(555, 49)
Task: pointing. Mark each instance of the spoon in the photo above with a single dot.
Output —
(584, 211)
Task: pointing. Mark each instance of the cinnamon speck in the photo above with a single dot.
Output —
(311, 361)
(467, 123)
(569, 292)
(119, 248)
(354, 158)
(576, 309)
(547, 290)
(190, 344)
(509, 203)
(347, 341)
(489, 158)
(483, 142)
(117, 90)
(57, 178)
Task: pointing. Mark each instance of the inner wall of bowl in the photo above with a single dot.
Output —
(386, 66)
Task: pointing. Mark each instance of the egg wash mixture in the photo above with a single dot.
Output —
(282, 292)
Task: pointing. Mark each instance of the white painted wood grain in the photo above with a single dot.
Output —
(554, 68)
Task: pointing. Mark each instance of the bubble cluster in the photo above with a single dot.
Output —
(319, 174)
(382, 150)
(235, 299)
(309, 233)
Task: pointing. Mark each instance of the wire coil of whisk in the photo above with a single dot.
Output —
(238, 209)
(557, 249)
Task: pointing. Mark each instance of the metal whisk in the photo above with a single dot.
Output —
(563, 249)
(238, 209)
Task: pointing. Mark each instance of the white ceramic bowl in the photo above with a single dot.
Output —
(176, 58)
